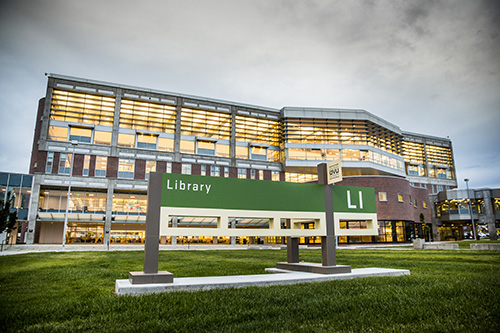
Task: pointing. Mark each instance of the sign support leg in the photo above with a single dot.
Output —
(292, 249)
(151, 245)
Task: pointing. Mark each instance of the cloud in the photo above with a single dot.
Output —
(427, 66)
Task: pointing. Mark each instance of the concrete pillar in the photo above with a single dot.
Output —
(33, 211)
(108, 217)
(173, 239)
(177, 139)
(232, 144)
(233, 238)
(489, 213)
(434, 219)
(44, 128)
(116, 123)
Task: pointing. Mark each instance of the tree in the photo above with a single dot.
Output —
(7, 218)
(425, 228)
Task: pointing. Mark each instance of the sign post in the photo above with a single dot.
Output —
(328, 174)
(151, 244)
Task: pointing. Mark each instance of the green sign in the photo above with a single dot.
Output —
(191, 191)
(244, 194)
(353, 199)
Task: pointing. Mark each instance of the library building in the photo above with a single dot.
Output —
(104, 139)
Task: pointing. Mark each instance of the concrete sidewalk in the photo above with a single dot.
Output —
(24, 248)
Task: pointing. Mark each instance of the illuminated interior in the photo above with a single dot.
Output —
(84, 108)
(147, 116)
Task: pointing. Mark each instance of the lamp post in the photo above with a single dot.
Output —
(470, 209)
(74, 143)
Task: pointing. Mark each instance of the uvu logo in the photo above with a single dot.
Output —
(334, 171)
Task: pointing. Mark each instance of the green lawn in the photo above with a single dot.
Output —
(466, 244)
(446, 291)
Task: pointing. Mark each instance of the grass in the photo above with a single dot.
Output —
(446, 291)
(465, 245)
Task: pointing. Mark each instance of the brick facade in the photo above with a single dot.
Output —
(392, 209)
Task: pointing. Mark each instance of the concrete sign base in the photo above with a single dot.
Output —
(124, 287)
(144, 278)
(313, 268)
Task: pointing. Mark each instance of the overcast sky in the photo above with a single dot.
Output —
(430, 67)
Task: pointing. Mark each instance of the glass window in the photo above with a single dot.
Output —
(226, 172)
(27, 181)
(497, 204)
(86, 165)
(332, 154)
(223, 150)
(347, 224)
(297, 154)
(241, 152)
(169, 167)
(50, 162)
(58, 133)
(209, 124)
(129, 203)
(64, 164)
(24, 198)
(147, 116)
(421, 171)
(252, 174)
(382, 196)
(350, 155)
(102, 138)
(314, 154)
(206, 147)
(126, 168)
(275, 175)
(432, 172)
(166, 144)
(441, 173)
(147, 141)
(203, 169)
(80, 134)
(258, 153)
(300, 177)
(100, 166)
(187, 147)
(150, 167)
(80, 107)
(413, 170)
(215, 171)
(126, 140)
(364, 155)
(415, 203)
(258, 130)
(273, 155)
(242, 173)
(186, 169)
(424, 203)
(400, 197)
